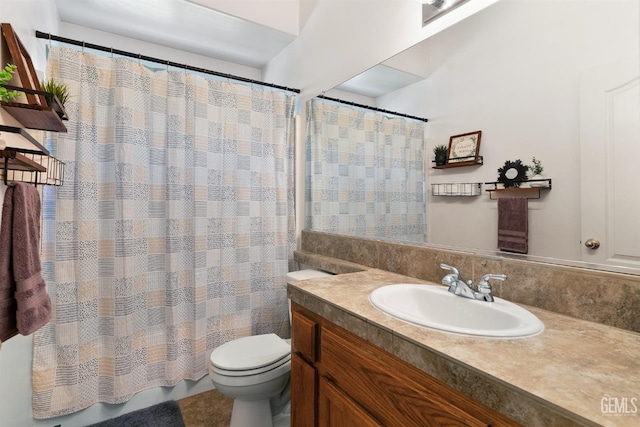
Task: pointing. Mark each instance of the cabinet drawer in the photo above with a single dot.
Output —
(303, 336)
(393, 392)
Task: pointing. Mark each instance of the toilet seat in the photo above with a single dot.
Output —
(250, 372)
(250, 355)
(251, 379)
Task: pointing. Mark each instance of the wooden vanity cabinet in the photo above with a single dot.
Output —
(339, 379)
(304, 377)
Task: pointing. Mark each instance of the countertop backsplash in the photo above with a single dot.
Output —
(599, 296)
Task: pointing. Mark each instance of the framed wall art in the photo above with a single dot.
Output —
(464, 148)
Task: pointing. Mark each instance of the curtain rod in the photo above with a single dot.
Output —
(48, 36)
(422, 119)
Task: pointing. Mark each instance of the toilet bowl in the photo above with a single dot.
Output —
(252, 370)
(255, 372)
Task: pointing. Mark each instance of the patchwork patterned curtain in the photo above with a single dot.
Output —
(364, 173)
(173, 231)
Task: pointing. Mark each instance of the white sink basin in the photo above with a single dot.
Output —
(436, 308)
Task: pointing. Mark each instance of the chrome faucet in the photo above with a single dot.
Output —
(458, 286)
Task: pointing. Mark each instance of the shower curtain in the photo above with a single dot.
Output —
(364, 173)
(173, 231)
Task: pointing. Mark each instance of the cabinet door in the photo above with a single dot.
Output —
(335, 409)
(386, 388)
(303, 393)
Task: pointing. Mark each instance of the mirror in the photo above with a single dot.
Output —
(517, 71)
(512, 174)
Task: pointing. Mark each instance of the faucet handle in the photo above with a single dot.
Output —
(450, 268)
(484, 287)
(486, 277)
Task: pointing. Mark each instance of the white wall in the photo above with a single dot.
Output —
(513, 71)
(27, 16)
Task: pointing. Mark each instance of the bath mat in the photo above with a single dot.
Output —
(163, 414)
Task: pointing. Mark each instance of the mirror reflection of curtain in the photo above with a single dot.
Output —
(364, 173)
(173, 231)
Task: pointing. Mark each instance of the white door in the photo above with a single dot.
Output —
(610, 163)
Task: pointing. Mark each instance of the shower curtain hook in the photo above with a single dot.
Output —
(111, 52)
(83, 46)
(139, 57)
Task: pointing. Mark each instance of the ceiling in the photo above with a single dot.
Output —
(186, 26)
(378, 81)
(180, 25)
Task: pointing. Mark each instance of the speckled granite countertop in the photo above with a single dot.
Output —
(574, 373)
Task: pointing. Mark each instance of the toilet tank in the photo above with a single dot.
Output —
(306, 274)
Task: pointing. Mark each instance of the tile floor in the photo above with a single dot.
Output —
(212, 409)
(209, 409)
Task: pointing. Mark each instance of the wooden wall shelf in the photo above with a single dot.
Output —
(37, 109)
(35, 116)
(476, 162)
(531, 191)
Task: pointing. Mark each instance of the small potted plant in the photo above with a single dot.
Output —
(536, 169)
(5, 76)
(440, 152)
(58, 90)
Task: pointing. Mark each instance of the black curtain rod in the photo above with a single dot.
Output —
(422, 119)
(51, 37)
(48, 36)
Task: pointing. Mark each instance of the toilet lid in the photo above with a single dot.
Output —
(250, 352)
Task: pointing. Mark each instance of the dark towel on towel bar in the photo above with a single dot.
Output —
(24, 302)
(513, 224)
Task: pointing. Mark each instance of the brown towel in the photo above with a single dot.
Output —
(513, 224)
(8, 306)
(24, 301)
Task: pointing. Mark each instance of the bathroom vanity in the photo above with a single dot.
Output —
(354, 365)
(340, 379)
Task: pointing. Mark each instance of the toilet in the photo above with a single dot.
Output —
(255, 372)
